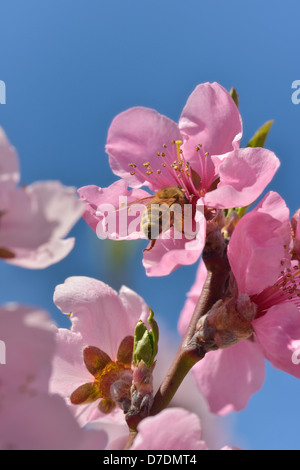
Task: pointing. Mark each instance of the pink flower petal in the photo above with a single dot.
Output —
(154, 432)
(9, 169)
(168, 254)
(244, 174)
(260, 236)
(274, 205)
(135, 306)
(35, 222)
(211, 118)
(278, 332)
(43, 256)
(107, 201)
(68, 368)
(31, 419)
(43, 422)
(29, 339)
(228, 377)
(230, 448)
(97, 313)
(118, 443)
(135, 136)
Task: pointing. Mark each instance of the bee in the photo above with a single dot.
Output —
(159, 215)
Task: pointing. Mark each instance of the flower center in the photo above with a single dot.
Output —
(170, 168)
(286, 289)
(113, 372)
(113, 379)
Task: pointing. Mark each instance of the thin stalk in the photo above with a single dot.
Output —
(189, 353)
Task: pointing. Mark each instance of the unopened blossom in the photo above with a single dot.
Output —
(92, 365)
(201, 155)
(267, 278)
(31, 418)
(34, 219)
(145, 349)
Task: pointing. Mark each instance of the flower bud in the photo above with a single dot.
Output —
(146, 342)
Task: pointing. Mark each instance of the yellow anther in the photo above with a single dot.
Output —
(179, 151)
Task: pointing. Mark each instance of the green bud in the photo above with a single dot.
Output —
(154, 332)
(146, 341)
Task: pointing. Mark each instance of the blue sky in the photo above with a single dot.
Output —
(71, 65)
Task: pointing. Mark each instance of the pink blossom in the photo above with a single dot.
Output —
(28, 335)
(10, 173)
(100, 197)
(259, 256)
(30, 418)
(43, 422)
(200, 154)
(172, 429)
(33, 219)
(103, 323)
(187, 397)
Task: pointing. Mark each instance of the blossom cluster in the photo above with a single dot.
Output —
(101, 384)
